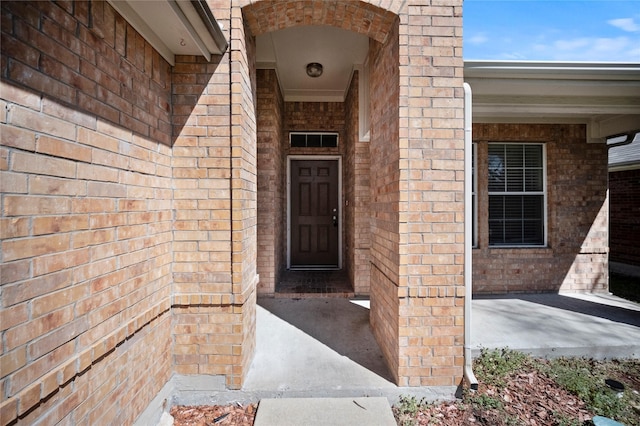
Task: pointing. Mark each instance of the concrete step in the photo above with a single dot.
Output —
(324, 411)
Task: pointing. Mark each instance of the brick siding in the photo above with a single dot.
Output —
(129, 200)
(624, 205)
(357, 196)
(575, 259)
(87, 215)
(272, 166)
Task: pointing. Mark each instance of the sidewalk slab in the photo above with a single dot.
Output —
(324, 411)
(552, 325)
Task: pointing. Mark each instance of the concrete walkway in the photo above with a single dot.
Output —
(322, 350)
(552, 325)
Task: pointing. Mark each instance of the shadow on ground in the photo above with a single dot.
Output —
(340, 324)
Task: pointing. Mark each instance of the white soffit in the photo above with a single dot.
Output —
(553, 91)
(174, 27)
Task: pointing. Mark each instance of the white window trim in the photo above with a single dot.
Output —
(474, 195)
(545, 229)
(364, 100)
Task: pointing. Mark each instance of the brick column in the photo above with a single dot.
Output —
(215, 214)
(417, 196)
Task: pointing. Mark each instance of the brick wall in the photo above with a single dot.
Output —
(576, 256)
(357, 194)
(271, 181)
(385, 172)
(624, 205)
(214, 173)
(86, 215)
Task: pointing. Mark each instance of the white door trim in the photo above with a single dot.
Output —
(312, 158)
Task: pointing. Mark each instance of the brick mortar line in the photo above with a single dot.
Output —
(83, 361)
(90, 356)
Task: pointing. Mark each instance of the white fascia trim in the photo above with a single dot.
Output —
(551, 69)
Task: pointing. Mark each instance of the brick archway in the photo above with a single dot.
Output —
(362, 17)
(417, 146)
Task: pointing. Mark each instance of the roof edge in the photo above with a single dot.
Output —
(562, 70)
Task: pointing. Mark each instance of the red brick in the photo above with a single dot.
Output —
(18, 137)
(47, 264)
(37, 246)
(55, 224)
(97, 173)
(31, 163)
(56, 186)
(14, 227)
(97, 139)
(92, 205)
(59, 336)
(12, 316)
(42, 83)
(94, 237)
(12, 361)
(55, 300)
(37, 327)
(15, 293)
(29, 374)
(8, 411)
(64, 149)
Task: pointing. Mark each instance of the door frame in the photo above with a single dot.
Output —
(337, 158)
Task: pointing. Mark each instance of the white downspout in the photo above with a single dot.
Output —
(468, 236)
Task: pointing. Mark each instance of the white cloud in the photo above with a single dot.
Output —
(621, 49)
(625, 24)
(574, 44)
(479, 38)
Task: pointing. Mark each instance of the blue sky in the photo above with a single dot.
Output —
(560, 30)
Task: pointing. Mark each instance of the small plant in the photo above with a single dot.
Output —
(486, 402)
(407, 409)
(564, 420)
(586, 379)
(410, 405)
(493, 366)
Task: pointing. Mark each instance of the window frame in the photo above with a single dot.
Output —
(474, 194)
(319, 134)
(543, 193)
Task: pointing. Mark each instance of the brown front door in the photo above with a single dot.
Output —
(314, 213)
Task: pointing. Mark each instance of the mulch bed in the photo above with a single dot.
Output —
(210, 415)
(531, 398)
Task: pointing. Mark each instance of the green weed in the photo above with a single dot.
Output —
(493, 366)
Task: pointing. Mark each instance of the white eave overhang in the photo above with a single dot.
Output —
(175, 27)
(605, 96)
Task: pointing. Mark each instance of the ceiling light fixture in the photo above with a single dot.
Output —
(314, 69)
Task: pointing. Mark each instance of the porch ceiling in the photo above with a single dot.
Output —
(606, 96)
(289, 51)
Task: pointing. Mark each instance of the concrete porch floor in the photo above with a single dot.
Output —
(324, 348)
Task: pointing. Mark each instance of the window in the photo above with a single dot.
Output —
(313, 140)
(517, 194)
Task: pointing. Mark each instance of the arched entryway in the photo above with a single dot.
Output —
(401, 175)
